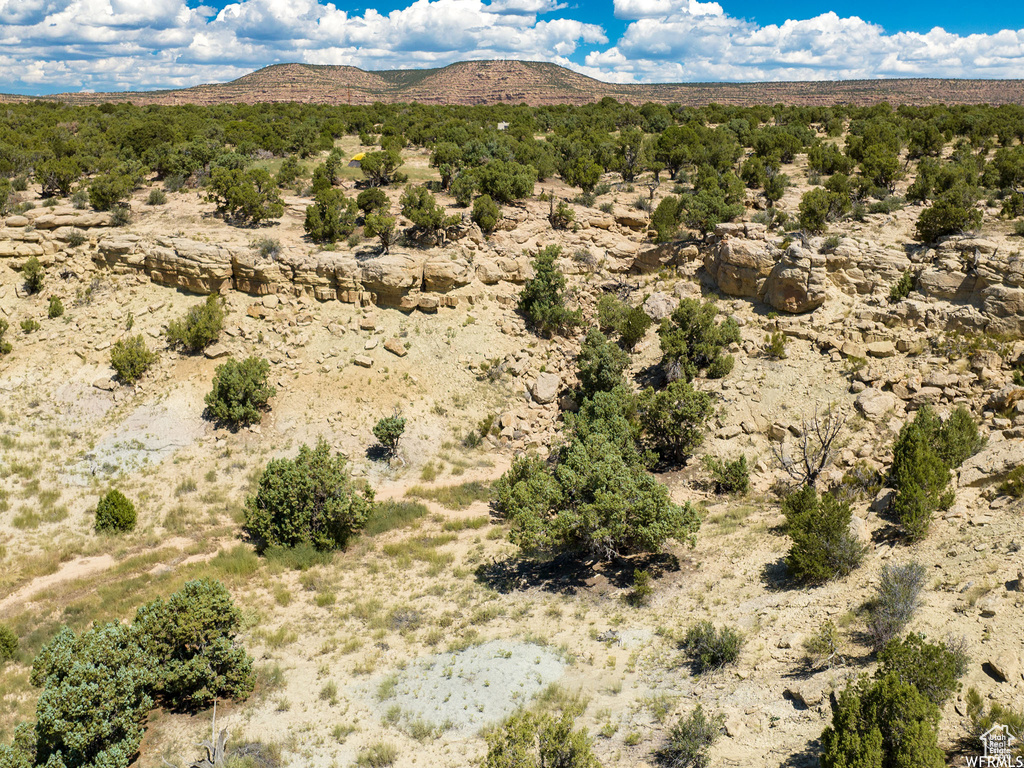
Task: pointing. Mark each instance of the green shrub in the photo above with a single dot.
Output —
(244, 196)
(420, 207)
(506, 182)
(120, 215)
(925, 451)
(597, 500)
(823, 646)
(34, 275)
(131, 358)
(611, 313)
(95, 697)
(380, 754)
(110, 189)
(541, 299)
(691, 341)
(775, 345)
(634, 327)
(1013, 484)
(115, 512)
(382, 227)
(902, 287)
(372, 199)
(56, 308)
(948, 215)
(193, 637)
(983, 720)
(331, 217)
(5, 346)
(532, 740)
(77, 237)
(156, 197)
(823, 546)
(690, 740)
(730, 476)
(711, 649)
(380, 168)
(560, 216)
(486, 213)
(600, 364)
(240, 392)
(267, 247)
(30, 325)
(932, 669)
(674, 420)
(8, 644)
(898, 598)
(642, 590)
(389, 430)
(886, 723)
(666, 218)
(200, 327)
(307, 500)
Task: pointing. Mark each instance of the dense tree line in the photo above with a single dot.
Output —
(953, 157)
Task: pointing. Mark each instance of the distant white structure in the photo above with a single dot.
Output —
(502, 126)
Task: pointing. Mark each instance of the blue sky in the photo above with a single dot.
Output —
(48, 46)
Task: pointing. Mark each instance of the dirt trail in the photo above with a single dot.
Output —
(74, 569)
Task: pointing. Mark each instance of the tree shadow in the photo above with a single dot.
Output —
(775, 576)
(805, 758)
(566, 574)
(377, 452)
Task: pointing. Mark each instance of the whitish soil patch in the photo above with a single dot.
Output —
(463, 691)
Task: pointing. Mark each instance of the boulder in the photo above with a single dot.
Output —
(396, 347)
(992, 463)
(660, 305)
(545, 388)
(739, 267)
(391, 275)
(874, 403)
(797, 283)
(441, 273)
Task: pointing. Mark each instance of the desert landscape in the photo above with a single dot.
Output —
(771, 322)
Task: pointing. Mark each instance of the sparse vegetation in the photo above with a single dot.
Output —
(131, 358)
(708, 648)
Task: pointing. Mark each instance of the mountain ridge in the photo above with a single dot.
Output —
(540, 83)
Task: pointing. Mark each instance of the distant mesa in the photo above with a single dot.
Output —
(541, 83)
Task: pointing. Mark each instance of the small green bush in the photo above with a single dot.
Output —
(34, 275)
(983, 720)
(642, 590)
(307, 500)
(5, 346)
(120, 215)
(1013, 484)
(711, 649)
(691, 341)
(932, 669)
(898, 598)
(30, 325)
(690, 740)
(115, 512)
(380, 754)
(883, 723)
(240, 392)
(775, 345)
(600, 364)
(902, 287)
(925, 451)
(486, 213)
(730, 476)
(56, 307)
(823, 547)
(8, 644)
(200, 327)
(388, 431)
(541, 300)
(131, 358)
(156, 197)
(192, 638)
(674, 419)
(531, 740)
(823, 646)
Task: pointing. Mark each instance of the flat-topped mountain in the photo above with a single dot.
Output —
(538, 83)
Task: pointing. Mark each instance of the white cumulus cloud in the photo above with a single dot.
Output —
(53, 45)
